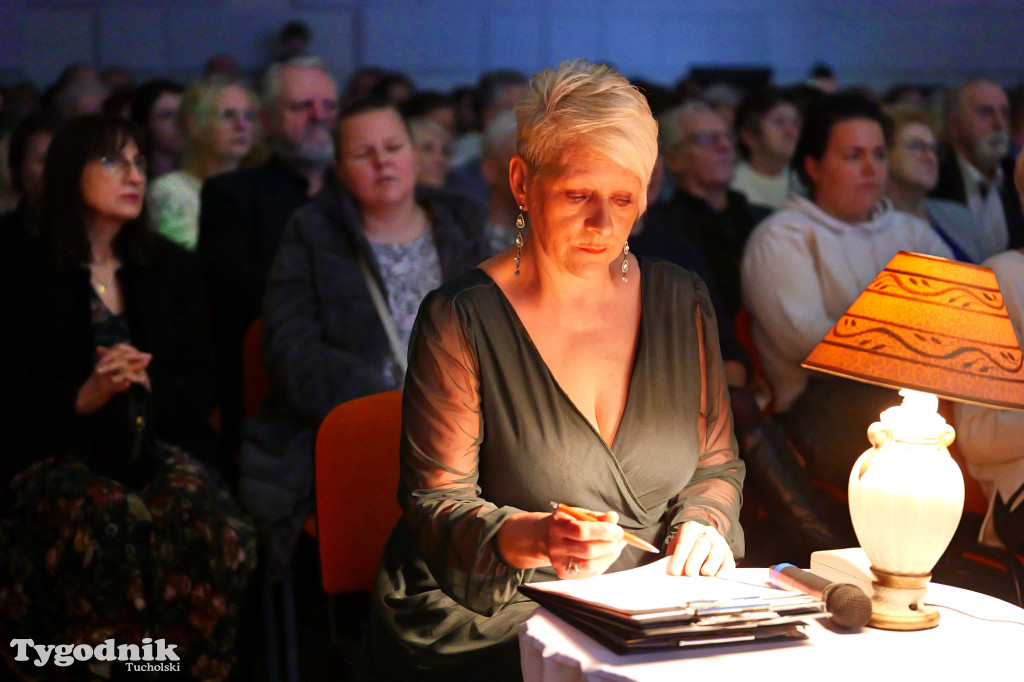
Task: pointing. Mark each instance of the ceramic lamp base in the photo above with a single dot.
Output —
(898, 602)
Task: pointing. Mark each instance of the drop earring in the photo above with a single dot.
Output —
(520, 224)
(625, 263)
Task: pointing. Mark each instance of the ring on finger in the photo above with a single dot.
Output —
(571, 568)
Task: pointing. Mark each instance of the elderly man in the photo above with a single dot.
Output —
(244, 212)
(700, 153)
(977, 172)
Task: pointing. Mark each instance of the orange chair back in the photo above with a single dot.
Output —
(356, 484)
(255, 380)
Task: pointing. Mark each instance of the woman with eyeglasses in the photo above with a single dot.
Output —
(806, 263)
(218, 117)
(914, 172)
(109, 529)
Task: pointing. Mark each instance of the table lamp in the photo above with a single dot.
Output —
(928, 327)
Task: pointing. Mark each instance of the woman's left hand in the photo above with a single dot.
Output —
(698, 549)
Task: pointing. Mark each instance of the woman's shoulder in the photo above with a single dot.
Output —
(661, 277)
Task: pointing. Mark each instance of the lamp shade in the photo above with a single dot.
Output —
(931, 325)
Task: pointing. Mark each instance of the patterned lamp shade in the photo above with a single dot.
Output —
(931, 325)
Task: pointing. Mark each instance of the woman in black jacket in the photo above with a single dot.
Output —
(105, 381)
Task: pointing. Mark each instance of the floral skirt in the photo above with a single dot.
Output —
(84, 559)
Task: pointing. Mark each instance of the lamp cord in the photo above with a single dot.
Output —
(971, 615)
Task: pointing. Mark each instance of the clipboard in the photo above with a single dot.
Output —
(645, 609)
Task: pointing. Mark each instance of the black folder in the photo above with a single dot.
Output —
(765, 615)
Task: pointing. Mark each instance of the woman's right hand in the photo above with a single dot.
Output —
(116, 369)
(583, 549)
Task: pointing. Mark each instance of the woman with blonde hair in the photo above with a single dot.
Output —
(218, 116)
(564, 368)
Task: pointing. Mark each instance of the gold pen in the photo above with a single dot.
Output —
(582, 515)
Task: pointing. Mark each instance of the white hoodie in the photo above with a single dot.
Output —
(802, 268)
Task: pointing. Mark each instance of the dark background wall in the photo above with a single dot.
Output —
(443, 43)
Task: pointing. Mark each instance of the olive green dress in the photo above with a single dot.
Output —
(487, 433)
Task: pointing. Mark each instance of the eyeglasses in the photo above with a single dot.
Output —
(120, 167)
(918, 146)
(711, 139)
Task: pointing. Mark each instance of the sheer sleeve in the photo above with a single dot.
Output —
(454, 528)
(714, 494)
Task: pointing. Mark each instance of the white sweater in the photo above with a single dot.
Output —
(802, 268)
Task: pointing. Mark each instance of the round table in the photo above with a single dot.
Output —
(962, 645)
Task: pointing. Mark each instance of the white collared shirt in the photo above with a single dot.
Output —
(988, 209)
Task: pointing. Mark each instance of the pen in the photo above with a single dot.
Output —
(581, 515)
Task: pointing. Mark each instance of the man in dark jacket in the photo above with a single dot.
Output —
(976, 170)
(243, 213)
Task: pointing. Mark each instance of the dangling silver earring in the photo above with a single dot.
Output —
(520, 224)
(625, 263)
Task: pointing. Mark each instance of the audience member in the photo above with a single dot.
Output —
(767, 128)
(117, 77)
(26, 154)
(430, 143)
(222, 64)
(496, 91)
(119, 102)
(823, 78)
(1016, 98)
(806, 263)
(293, 41)
(362, 82)
(914, 171)
(395, 87)
(218, 118)
(990, 439)
(155, 112)
(434, 106)
(325, 339)
(243, 213)
(9, 195)
(499, 146)
(976, 171)
(700, 154)
(79, 98)
(723, 98)
(112, 530)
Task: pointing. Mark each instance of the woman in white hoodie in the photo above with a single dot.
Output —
(806, 263)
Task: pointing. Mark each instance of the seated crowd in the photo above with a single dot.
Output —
(145, 228)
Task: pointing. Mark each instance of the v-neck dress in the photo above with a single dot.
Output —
(488, 432)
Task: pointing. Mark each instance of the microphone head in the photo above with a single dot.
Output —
(849, 606)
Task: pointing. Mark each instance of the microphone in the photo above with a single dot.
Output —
(849, 606)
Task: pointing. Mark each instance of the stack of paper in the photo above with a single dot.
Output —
(646, 609)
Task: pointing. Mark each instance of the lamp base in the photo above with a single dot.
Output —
(898, 602)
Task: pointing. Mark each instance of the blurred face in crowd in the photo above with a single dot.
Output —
(431, 145)
(979, 125)
(780, 129)
(850, 176)
(913, 160)
(303, 115)
(231, 136)
(375, 159)
(582, 208)
(705, 157)
(444, 117)
(32, 167)
(163, 123)
(113, 186)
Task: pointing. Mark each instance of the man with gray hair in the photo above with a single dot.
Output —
(700, 153)
(243, 213)
(976, 170)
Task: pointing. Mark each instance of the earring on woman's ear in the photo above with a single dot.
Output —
(520, 224)
(625, 263)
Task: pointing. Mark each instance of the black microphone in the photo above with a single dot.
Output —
(849, 606)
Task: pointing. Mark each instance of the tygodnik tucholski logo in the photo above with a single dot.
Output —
(151, 656)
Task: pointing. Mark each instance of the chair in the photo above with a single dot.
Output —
(356, 483)
(255, 380)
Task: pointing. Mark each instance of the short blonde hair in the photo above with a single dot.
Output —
(590, 106)
(199, 111)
